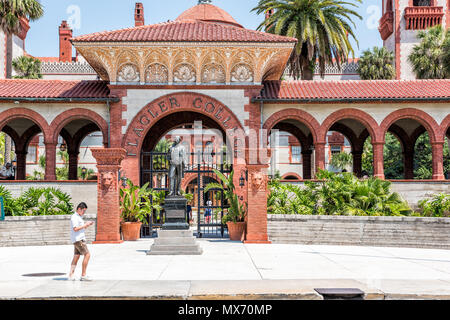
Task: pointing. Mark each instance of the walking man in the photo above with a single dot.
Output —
(78, 238)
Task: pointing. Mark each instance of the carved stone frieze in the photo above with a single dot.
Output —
(169, 63)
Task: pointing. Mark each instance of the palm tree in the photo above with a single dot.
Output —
(322, 27)
(446, 57)
(27, 68)
(341, 160)
(376, 65)
(428, 57)
(11, 12)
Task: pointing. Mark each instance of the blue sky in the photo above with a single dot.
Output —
(88, 16)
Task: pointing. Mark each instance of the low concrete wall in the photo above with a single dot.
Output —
(413, 190)
(79, 191)
(40, 231)
(413, 232)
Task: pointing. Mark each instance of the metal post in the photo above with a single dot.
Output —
(2, 210)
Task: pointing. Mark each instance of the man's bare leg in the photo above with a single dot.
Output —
(85, 264)
(73, 265)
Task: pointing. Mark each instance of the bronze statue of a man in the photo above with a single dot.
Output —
(178, 163)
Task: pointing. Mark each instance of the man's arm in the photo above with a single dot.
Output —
(85, 226)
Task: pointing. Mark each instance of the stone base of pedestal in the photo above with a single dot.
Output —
(175, 242)
(176, 208)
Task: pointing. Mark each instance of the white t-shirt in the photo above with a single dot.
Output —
(76, 221)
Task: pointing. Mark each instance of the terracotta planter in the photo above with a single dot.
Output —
(131, 230)
(236, 230)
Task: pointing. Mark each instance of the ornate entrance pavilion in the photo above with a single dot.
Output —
(204, 67)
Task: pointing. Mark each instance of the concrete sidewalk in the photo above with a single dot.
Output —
(226, 270)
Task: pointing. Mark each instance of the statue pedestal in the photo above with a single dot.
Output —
(175, 238)
(176, 213)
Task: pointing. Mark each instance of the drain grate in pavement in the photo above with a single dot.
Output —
(42, 275)
(341, 293)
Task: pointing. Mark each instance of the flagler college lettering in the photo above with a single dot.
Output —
(157, 110)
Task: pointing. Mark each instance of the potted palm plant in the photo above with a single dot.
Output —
(235, 218)
(135, 206)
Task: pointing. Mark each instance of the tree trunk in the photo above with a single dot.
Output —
(9, 53)
(8, 149)
(307, 73)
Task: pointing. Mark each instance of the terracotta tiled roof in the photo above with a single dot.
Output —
(210, 13)
(184, 31)
(53, 89)
(355, 90)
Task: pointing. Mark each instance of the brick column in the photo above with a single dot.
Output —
(408, 163)
(306, 161)
(50, 161)
(73, 165)
(319, 148)
(437, 150)
(116, 121)
(108, 214)
(257, 201)
(357, 163)
(378, 159)
(21, 166)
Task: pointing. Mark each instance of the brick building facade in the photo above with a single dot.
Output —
(205, 68)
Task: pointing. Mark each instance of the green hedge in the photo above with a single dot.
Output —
(37, 202)
(337, 194)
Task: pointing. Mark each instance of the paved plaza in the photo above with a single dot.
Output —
(226, 270)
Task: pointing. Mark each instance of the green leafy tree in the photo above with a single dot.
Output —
(237, 210)
(323, 29)
(27, 68)
(428, 58)
(136, 203)
(11, 11)
(446, 50)
(437, 206)
(377, 64)
(341, 160)
(337, 194)
(393, 158)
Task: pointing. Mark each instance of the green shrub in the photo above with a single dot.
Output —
(438, 206)
(37, 202)
(337, 194)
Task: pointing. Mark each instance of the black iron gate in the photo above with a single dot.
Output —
(207, 208)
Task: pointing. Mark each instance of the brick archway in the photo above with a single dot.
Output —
(18, 113)
(76, 114)
(353, 114)
(445, 127)
(291, 174)
(420, 116)
(294, 114)
(170, 104)
(430, 125)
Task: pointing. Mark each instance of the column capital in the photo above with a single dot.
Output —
(108, 156)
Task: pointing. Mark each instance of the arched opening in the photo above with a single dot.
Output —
(205, 142)
(21, 144)
(292, 144)
(73, 159)
(414, 150)
(348, 147)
